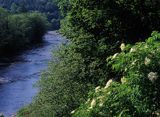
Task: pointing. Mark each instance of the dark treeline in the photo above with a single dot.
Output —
(17, 31)
(48, 7)
(106, 45)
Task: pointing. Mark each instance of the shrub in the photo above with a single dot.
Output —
(137, 92)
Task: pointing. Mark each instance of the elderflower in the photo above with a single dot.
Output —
(114, 56)
(147, 61)
(152, 76)
(157, 113)
(123, 80)
(132, 50)
(108, 84)
(97, 89)
(73, 112)
(93, 104)
(122, 46)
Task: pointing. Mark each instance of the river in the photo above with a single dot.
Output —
(19, 76)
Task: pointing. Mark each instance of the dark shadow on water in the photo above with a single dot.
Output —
(22, 71)
(7, 59)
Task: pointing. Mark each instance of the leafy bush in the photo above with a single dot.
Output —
(18, 31)
(37, 26)
(137, 92)
(120, 20)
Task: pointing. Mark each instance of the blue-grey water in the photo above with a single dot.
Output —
(17, 79)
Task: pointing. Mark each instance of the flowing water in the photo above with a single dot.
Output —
(17, 79)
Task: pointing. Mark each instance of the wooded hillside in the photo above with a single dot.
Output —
(48, 7)
(109, 68)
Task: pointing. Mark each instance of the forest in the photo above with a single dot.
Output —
(110, 65)
(17, 31)
(47, 7)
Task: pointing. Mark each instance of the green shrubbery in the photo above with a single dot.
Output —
(95, 30)
(19, 30)
(137, 91)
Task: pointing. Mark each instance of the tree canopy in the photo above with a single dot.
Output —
(20, 30)
(47, 7)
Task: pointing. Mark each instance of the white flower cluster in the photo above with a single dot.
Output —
(99, 100)
(115, 55)
(147, 61)
(153, 76)
(97, 89)
(73, 112)
(93, 104)
(157, 113)
(108, 84)
(132, 50)
(123, 80)
(122, 47)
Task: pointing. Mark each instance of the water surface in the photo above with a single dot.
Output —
(18, 78)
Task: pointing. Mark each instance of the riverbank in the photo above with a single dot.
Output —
(18, 78)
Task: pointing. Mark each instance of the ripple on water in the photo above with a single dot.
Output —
(17, 79)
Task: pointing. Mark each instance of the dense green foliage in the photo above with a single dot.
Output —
(47, 7)
(95, 30)
(19, 30)
(137, 94)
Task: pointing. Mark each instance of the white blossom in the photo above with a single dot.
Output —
(132, 50)
(152, 76)
(93, 103)
(147, 61)
(97, 89)
(122, 46)
(157, 113)
(123, 80)
(115, 55)
(73, 112)
(108, 84)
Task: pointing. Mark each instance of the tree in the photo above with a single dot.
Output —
(14, 8)
(20, 30)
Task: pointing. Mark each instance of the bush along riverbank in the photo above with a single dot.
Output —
(17, 31)
(96, 30)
